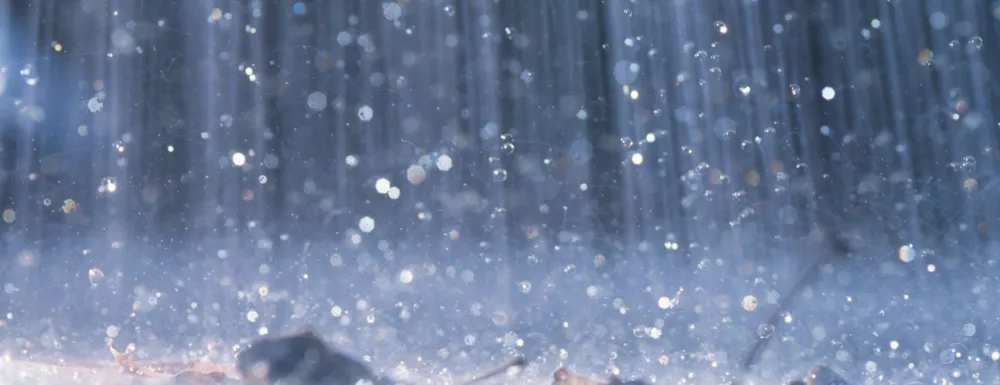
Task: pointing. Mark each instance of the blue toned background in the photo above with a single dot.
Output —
(597, 184)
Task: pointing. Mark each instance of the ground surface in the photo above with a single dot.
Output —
(26, 372)
(17, 372)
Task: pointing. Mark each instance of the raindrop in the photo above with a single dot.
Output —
(968, 162)
(366, 224)
(416, 174)
(317, 101)
(976, 43)
(725, 128)
(499, 175)
(239, 159)
(581, 150)
(500, 318)
(29, 75)
(819, 333)
(625, 72)
(365, 113)
(392, 11)
(468, 276)
(721, 27)
(938, 20)
(382, 185)
(95, 104)
(765, 331)
(969, 330)
(443, 162)
(829, 93)
(95, 275)
(948, 356)
(907, 253)
(526, 76)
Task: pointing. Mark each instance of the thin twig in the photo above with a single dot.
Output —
(517, 362)
(840, 249)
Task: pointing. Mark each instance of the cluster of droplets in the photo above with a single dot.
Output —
(498, 171)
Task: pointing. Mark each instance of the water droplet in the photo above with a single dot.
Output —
(968, 162)
(829, 93)
(625, 72)
(316, 101)
(95, 275)
(947, 356)
(499, 175)
(406, 276)
(721, 27)
(29, 75)
(725, 128)
(907, 253)
(365, 113)
(976, 42)
(794, 88)
(969, 330)
(765, 331)
(366, 224)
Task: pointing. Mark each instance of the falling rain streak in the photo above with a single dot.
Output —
(637, 184)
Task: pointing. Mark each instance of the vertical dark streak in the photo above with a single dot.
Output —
(273, 45)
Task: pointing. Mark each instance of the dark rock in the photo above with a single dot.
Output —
(302, 359)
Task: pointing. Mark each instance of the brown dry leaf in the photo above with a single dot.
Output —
(179, 373)
(124, 359)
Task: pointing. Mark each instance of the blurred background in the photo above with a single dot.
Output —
(617, 185)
